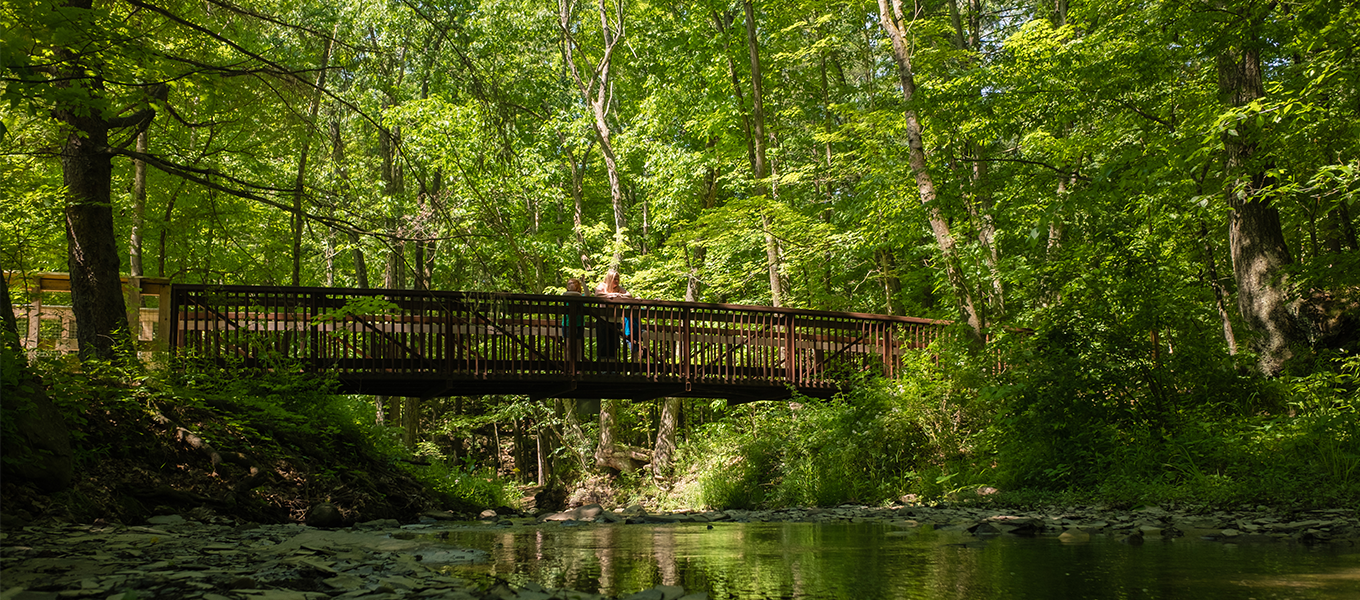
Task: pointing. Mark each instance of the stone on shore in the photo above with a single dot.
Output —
(1074, 536)
(325, 514)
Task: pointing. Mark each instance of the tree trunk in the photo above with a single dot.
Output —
(521, 452)
(596, 93)
(410, 421)
(891, 20)
(331, 251)
(724, 23)
(610, 454)
(544, 461)
(1340, 231)
(604, 452)
(1220, 294)
(138, 209)
(892, 285)
(1052, 291)
(87, 172)
(980, 208)
(92, 256)
(165, 229)
(760, 163)
(1255, 238)
(664, 450)
(298, 183)
(360, 269)
(394, 275)
(577, 185)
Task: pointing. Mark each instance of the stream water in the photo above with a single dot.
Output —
(844, 561)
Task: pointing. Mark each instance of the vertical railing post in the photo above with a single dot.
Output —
(449, 348)
(171, 334)
(889, 352)
(790, 348)
(314, 332)
(576, 342)
(686, 368)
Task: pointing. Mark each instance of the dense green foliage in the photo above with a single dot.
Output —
(1092, 162)
(1051, 438)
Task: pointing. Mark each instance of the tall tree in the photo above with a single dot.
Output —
(87, 172)
(760, 161)
(596, 91)
(1255, 237)
(893, 22)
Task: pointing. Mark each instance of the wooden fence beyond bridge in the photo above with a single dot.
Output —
(431, 343)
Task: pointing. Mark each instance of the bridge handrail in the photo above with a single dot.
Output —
(493, 335)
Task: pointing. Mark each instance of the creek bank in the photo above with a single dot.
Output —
(1260, 524)
(217, 559)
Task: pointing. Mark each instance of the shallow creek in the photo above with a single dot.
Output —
(853, 561)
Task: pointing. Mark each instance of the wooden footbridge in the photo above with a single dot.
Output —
(431, 343)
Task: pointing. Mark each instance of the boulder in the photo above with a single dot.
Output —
(580, 513)
(1074, 536)
(325, 514)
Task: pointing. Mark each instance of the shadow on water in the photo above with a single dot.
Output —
(859, 561)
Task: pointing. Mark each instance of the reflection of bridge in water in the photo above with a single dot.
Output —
(429, 343)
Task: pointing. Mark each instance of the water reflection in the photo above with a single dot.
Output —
(858, 561)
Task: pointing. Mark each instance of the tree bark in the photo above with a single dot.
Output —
(610, 454)
(92, 257)
(1255, 237)
(138, 209)
(410, 421)
(604, 452)
(980, 209)
(577, 185)
(1220, 294)
(664, 450)
(891, 20)
(87, 172)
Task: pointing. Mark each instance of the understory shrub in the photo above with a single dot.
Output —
(871, 445)
(1100, 418)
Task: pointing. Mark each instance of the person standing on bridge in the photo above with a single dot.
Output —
(607, 331)
(573, 324)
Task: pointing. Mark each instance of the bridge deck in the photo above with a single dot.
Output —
(430, 343)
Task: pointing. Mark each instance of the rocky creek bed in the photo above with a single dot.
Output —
(204, 556)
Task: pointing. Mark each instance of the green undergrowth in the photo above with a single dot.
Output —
(870, 446)
(1047, 431)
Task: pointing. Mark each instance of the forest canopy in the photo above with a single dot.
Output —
(1165, 175)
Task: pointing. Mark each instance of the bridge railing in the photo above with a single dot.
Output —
(490, 336)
